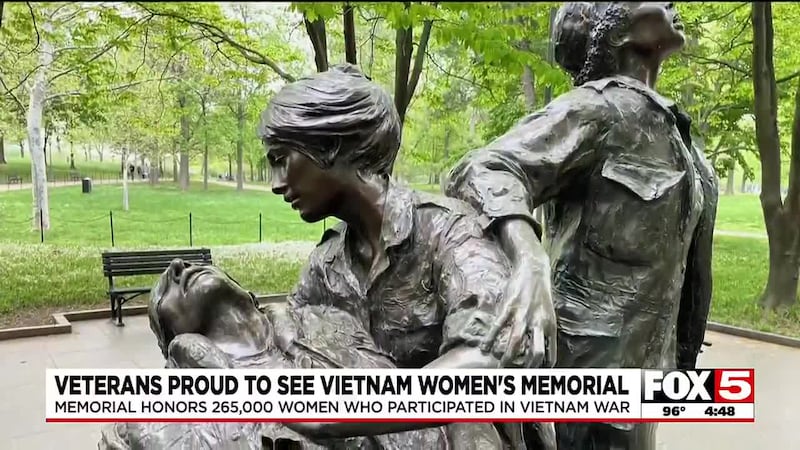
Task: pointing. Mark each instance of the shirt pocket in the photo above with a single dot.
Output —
(635, 209)
(589, 308)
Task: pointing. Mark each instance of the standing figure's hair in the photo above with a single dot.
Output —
(586, 38)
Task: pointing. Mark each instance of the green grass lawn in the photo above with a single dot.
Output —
(740, 274)
(64, 273)
(157, 216)
(49, 278)
(59, 171)
(741, 212)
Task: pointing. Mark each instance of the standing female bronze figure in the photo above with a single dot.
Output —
(629, 203)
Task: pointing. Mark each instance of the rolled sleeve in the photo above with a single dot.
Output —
(472, 275)
(310, 288)
(531, 163)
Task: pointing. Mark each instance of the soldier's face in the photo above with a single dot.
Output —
(655, 28)
(311, 190)
(186, 294)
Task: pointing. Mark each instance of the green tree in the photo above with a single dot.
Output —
(71, 56)
(782, 216)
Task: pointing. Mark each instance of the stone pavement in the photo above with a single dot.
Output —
(92, 344)
(99, 344)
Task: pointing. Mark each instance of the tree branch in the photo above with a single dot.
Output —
(720, 62)
(788, 77)
(21, 82)
(460, 77)
(105, 49)
(107, 89)
(35, 28)
(720, 17)
(725, 151)
(246, 52)
(11, 93)
(793, 197)
(402, 65)
(419, 60)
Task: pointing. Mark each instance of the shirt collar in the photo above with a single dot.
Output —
(674, 113)
(399, 206)
(635, 85)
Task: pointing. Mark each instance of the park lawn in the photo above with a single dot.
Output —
(40, 279)
(740, 268)
(59, 171)
(741, 212)
(157, 216)
(55, 278)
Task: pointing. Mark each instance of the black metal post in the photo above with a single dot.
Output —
(259, 227)
(190, 230)
(111, 221)
(41, 224)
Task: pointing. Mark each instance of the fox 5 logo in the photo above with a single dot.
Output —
(698, 386)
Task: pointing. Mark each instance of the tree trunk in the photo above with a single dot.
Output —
(2, 149)
(744, 181)
(175, 167)
(36, 134)
(21, 149)
(44, 150)
(784, 264)
(349, 33)
(252, 172)
(125, 185)
(205, 166)
(72, 153)
(155, 166)
(184, 168)
(729, 190)
(240, 147)
(319, 41)
(407, 76)
(445, 155)
(529, 88)
(782, 220)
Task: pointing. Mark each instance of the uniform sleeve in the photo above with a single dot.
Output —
(535, 160)
(696, 294)
(310, 288)
(471, 272)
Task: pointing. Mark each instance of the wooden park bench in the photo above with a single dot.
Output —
(149, 262)
(14, 179)
(74, 176)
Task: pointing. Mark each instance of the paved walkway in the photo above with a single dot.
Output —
(98, 343)
(59, 184)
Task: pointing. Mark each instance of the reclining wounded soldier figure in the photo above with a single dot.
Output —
(202, 318)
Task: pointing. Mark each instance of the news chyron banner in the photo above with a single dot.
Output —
(435, 395)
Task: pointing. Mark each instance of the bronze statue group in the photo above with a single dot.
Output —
(619, 274)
